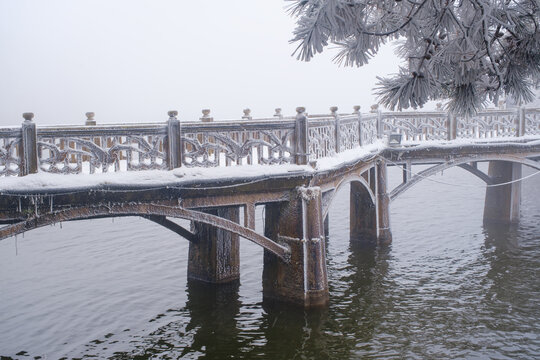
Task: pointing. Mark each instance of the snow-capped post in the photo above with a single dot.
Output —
(337, 131)
(520, 126)
(90, 121)
(247, 114)
(301, 137)
(29, 157)
(375, 109)
(356, 111)
(278, 113)
(174, 149)
(206, 116)
(451, 124)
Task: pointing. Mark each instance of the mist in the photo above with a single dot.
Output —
(132, 61)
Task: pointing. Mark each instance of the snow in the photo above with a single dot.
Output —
(140, 179)
(351, 155)
(524, 140)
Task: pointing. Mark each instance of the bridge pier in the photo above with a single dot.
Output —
(298, 224)
(327, 225)
(215, 255)
(384, 233)
(363, 214)
(502, 204)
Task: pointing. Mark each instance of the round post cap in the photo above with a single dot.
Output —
(28, 116)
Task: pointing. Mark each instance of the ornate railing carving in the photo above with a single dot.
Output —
(349, 133)
(488, 124)
(321, 137)
(10, 158)
(247, 142)
(532, 122)
(205, 143)
(416, 126)
(368, 129)
(112, 148)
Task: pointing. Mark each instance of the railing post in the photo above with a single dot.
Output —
(451, 126)
(278, 113)
(337, 131)
(357, 112)
(520, 126)
(206, 116)
(174, 141)
(247, 114)
(90, 119)
(29, 146)
(375, 109)
(301, 137)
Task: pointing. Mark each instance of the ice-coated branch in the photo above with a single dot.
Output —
(466, 51)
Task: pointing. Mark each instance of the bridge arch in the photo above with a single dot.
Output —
(147, 211)
(350, 179)
(462, 163)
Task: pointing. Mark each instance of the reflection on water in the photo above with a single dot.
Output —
(448, 287)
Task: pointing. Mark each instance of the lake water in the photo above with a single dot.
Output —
(447, 287)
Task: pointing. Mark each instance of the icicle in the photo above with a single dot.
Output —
(51, 201)
(20, 207)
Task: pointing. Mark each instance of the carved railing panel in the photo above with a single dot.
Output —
(10, 156)
(368, 129)
(321, 138)
(91, 149)
(416, 126)
(532, 122)
(466, 128)
(488, 124)
(349, 133)
(247, 142)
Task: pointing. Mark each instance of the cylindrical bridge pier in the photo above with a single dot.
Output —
(298, 224)
(503, 202)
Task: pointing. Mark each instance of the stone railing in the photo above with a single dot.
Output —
(207, 143)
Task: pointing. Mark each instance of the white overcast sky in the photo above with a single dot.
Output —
(133, 60)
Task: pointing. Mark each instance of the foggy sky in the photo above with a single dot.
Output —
(133, 60)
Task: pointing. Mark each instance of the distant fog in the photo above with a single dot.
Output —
(133, 60)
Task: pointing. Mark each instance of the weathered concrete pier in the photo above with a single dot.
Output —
(214, 174)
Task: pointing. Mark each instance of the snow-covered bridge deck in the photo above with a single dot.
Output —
(207, 171)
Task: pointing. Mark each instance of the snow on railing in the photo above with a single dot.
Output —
(207, 143)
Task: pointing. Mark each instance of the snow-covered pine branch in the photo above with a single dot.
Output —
(466, 51)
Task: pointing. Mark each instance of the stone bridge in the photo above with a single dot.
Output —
(212, 172)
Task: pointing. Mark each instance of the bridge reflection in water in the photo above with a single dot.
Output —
(310, 157)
